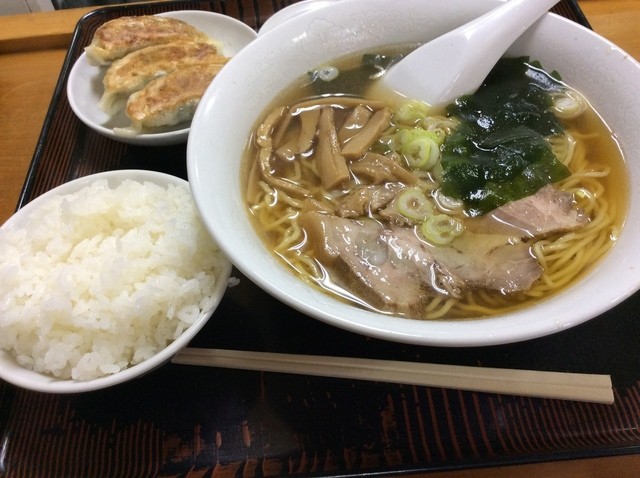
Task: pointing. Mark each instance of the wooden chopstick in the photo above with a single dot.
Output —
(532, 383)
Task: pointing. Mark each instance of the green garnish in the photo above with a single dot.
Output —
(413, 204)
(419, 147)
(441, 229)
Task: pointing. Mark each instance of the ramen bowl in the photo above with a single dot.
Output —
(239, 97)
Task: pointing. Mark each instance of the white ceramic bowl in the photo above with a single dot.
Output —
(84, 86)
(14, 373)
(605, 74)
(293, 11)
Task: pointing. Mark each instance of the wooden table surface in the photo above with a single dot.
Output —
(32, 49)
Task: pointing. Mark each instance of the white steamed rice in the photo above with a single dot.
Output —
(104, 278)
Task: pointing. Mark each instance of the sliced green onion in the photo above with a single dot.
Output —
(421, 153)
(411, 112)
(568, 104)
(447, 203)
(327, 73)
(413, 204)
(441, 229)
(419, 147)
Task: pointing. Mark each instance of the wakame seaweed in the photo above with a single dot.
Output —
(498, 153)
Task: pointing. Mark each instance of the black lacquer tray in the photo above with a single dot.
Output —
(196, 421)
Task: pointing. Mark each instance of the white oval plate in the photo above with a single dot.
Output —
(84, 86)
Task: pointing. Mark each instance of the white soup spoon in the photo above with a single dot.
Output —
(457, 62)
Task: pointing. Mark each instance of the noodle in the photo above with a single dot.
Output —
(566, 257)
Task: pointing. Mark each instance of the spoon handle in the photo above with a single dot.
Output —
(460, 60)
(503, 25)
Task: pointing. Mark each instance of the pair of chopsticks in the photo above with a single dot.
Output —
(532, 383)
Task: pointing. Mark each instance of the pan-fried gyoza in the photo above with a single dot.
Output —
(132, 73)
(169, 100)
(121, 36)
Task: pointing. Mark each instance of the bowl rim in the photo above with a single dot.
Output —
(555, 313)
(13, 373)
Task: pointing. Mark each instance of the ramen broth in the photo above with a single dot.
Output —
(291, 204)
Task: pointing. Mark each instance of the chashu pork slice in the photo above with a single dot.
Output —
(121, 36)
(134, 71)
(546, 212)
(393, 269)
(367, 199)
(169, 100)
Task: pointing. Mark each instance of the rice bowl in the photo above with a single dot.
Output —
(103, 279)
